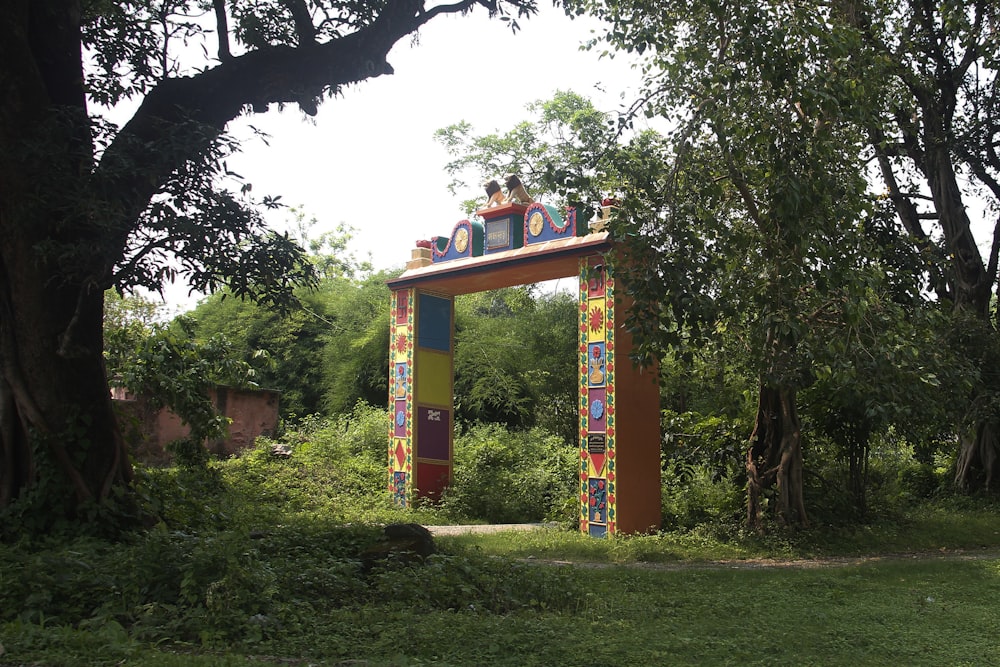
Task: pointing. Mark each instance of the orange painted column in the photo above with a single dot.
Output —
(619, 416)
(422, 351)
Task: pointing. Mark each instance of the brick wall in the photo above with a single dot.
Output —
(253, 412)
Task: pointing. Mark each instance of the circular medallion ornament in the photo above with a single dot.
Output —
(400, 418)
(535, 223)
(597, 408)
(462, 239)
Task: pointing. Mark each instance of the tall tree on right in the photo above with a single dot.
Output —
(915, 82)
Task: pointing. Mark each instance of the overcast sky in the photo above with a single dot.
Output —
(369, 159)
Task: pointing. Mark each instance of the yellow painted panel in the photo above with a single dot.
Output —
(432, 378)
(596, 316)
(400, 343)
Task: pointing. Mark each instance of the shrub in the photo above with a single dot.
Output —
(702, 472)
(697, 498)
(503, 476)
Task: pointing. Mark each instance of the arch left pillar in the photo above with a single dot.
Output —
(421, 394)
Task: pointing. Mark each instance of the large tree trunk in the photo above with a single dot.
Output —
(66, 218)
(60, 450)
(978, 462)
(60, 444)
(774, 459)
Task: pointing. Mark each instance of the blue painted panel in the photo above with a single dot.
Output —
(434, 323)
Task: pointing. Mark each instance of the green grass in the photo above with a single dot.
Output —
(257, 563)
(913, 613)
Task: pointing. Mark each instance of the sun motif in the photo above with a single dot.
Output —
(596, 319)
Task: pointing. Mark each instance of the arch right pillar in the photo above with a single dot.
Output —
(619, 415)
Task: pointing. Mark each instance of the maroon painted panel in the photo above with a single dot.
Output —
(433, 429)
(597, 410)
(399, 420)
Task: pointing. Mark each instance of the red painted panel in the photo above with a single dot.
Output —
(432, 478)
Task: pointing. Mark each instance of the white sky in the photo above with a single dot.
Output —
(369, 159)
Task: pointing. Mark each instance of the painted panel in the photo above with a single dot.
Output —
(401, 380)
(596, 364)
(398, 488)
(432, 478)
(596, 320)
(598, 500)
(399, 419)
(433, 378)
(433, 433)
(597, 530)
(402, 306)
(544, 223)
(504, 233)
(466, 240)
(434, 323)
(595, 281)
(597, 411)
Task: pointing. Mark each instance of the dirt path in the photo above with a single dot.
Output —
(486, 528)
(740, 564)
(798, 563)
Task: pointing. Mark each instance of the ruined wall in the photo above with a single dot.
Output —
(252, 412)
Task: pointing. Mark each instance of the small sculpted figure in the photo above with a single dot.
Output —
(515, 191)
(494, 193)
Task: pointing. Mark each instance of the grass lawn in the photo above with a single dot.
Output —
(261, 566)
(625, 603)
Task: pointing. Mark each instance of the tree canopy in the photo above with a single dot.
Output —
(902, 93)
(86, 205)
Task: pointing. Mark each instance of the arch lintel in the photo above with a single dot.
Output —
(530, 264)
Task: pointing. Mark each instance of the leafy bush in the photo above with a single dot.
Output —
(231, 588)
(702, 472)
(505, 476)
(920, 481)
(698, 498)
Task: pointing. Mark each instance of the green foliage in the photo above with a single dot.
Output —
(561, 153)
(516, 360)
(763, 186)
(326, 354)
(168, 367)
(703, 476)
(261, 556)
(506, 476)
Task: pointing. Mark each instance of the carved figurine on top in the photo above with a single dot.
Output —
(516, 194)
(494, 193)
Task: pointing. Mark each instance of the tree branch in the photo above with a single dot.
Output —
(222, 28)
(181, 117)
(304, 28)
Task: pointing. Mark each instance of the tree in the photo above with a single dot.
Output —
(561, 153)
(86, 206)
(936, 142)
(327, 352)
(919, 86)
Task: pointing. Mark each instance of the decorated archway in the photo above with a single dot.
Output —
(517, 244)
